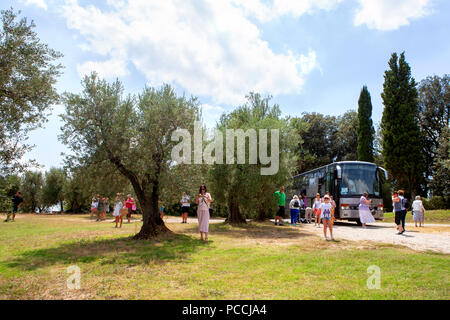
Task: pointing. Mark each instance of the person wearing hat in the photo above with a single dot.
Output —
(326, 213)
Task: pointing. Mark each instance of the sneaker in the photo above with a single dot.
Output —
(276, 223)
(325, 238)
(295, 224)
(332, 238)
(6, 221)
(281, 224)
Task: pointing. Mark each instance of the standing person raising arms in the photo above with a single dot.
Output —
(203, 200)
(185, 204)
(280, 197)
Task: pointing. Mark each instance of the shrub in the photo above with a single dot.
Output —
(435, 203)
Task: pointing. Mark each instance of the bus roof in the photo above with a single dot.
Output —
(339, 162)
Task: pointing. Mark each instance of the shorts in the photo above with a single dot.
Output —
(15, 209)
(327, 218)
(280, 212)
(184, 209)
(317, 212)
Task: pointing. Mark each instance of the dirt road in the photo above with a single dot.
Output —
(386, 233)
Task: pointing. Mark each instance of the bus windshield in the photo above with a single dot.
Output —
(359, 178)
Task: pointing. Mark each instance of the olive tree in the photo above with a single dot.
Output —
(133, 133)
(28, 73)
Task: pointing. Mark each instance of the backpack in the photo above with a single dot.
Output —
(405, 204)
(296, 204)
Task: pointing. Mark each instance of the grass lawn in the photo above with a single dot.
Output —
(256, 261)
(431, 216)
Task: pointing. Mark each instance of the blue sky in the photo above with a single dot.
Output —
(310, 55)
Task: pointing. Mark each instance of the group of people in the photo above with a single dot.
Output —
(99, 207)
(122, 207)
(401, 206)
(323, 209)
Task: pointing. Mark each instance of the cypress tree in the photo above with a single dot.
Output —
(402, 151)
(365, 127)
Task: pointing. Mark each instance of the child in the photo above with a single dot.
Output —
(316, 207)
(117, 210)
(327, 214)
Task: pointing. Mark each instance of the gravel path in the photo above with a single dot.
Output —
(385, 233)
(378, 232)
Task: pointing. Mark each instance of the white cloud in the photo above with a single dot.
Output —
(40, 3)
(277, 8)
(210, 47)
(390, 15)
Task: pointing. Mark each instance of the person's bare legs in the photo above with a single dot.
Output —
(121, 221)
(13, 217)
(201, 235)
(330, 226)
(206, 236)
(117, 221)
(324, 229)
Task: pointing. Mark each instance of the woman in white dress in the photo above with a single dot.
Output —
(365, 216)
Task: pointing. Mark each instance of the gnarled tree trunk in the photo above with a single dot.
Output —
(234, 213)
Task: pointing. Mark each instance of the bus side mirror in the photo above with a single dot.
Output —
(339, 172)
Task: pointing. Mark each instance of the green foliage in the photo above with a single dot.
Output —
(435, 203)
(52, 191)
(346, 137)
(325, 139)
(317, 132)
(365, 127)
(241, 187)
(27, 77)
(434, 107)
(402, 151)
(9, 185)
(441, 178)
(32, 183)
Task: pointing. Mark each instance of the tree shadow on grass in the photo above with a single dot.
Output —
(252, 230)
(122, 251)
